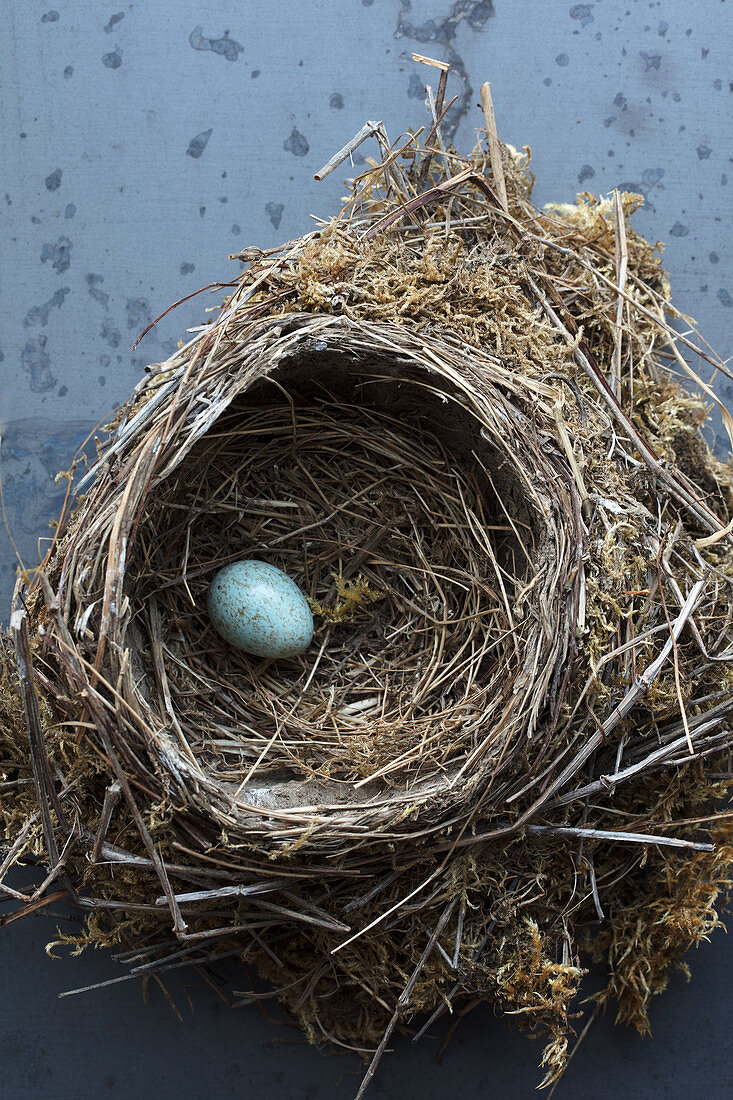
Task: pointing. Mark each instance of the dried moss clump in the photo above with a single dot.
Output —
(456, 420)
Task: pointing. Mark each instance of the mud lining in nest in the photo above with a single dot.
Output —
(452, 419)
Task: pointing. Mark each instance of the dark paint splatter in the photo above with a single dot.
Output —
(296, 144)
(112, 60)
(651, 177)
(138, 313)
(38, 315)
(224, 46)
(651, 60)
(236, 229)
(202, 211)
(35, 219)
(69, 211)
(718, 85)
(113, 21)
(35, 360)
(583, 13)
(662, 29)
(587, 172)
(110, 333)
(562, 60)
(186, 269)
(197, 144)
(254, 74)
(724, 298)
(416, 88)
(274, 211)
(714, 258)
(443, 31)
(336, 101)
(68, 72)
(703, 151)
(93, 283)
(53, 182)
(679, 230)
(620, 101)
(50, 17)
(59, 254)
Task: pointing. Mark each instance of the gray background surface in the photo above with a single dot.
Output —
(144, 143)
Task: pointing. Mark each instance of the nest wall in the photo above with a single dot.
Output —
(451, 419)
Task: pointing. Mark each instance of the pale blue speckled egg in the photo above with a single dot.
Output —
(257, 608)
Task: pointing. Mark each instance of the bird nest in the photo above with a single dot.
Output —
(453, 421)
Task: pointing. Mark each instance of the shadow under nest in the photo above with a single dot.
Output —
(509, 738)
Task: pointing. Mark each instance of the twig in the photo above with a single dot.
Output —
(622, 259)
(405, 998)
(497, 167)
(111, 797)
(45, 792)
(631, 838)
(369, 129)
